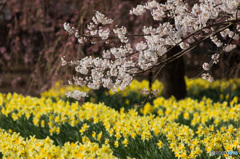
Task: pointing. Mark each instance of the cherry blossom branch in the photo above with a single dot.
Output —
(181, 53)
(186, 28)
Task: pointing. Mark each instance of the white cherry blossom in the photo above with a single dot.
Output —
(116, 67)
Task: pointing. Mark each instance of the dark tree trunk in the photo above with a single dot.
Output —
(3, 32)
(173, 77)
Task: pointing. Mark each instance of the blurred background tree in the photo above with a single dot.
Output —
(32, 40)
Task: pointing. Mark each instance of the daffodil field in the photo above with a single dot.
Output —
(108, 125)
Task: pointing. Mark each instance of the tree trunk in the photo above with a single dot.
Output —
(173, 77)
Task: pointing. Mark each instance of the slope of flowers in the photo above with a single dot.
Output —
(15, 146)
(188, 128)
(217, 124)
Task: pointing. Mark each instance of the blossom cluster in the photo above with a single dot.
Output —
(116, 68)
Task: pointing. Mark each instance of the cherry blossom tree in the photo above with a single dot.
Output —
(180, 28)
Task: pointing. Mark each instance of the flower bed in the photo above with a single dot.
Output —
(164, 128)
